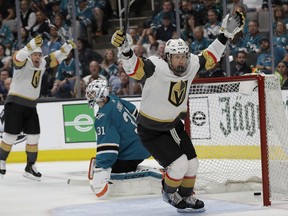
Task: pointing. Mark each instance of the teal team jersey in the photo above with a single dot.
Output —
(116, 131)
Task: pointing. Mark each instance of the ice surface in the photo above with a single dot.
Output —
(53, 196)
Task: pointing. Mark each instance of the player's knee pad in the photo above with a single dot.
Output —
(178, 168)
(193, 165)
(9, 138)
(32, 138)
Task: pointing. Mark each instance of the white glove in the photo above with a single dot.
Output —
(34, 43)
(231, 25)
(100, 182)
(123, 43)
(67, 47)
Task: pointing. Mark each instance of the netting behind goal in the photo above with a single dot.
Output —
(239, 128)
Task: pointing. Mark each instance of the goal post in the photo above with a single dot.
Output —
(239, 128)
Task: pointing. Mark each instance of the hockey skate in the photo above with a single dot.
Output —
(2, 168)
(174, 199)
(192, 205)
(31, 172)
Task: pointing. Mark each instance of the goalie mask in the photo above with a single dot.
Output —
(177, 47)
(96, 92)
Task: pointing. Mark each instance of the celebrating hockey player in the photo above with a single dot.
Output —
(20, 105)
(119, 148)
(164, 103)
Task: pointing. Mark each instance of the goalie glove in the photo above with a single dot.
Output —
(34, 43)
(232, 24)
(123, 43)
(100, 182)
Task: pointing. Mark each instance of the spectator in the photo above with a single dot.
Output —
(63, 86)
(4, 74)
(127, 87)
(187, 33)
(279, 15)
(188, 10)
(200, 42)
(86, 55)
(235, 4)
(27, 15)
(160, 50)
(102, 11)
(140, 51)
(167, 8)
(133, 32)
(216, 71)
(282, 72)
(61, 25)
(212, 27)
(166, 30)
(7, 84)
(7, 9)
(148, 41)
(95, 72)
(84, 16)
(250, 42)
(109, 64)
(53, 7)
(6, 36)
(41, 26)
(82, 89)
(264, 60)
(5, 61)
(239, 66)
(24, 40)
(50, 44)
(280, 37)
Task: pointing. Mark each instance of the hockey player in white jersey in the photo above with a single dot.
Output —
(119, 148)
(164, 103)
(20, 105)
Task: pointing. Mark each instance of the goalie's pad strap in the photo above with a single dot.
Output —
(137, 174)
(103, 192)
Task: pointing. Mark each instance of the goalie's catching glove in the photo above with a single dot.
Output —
(100, 182)
(122, 42)
(232, 24)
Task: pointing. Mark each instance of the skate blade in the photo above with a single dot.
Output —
(31, 177)
(1, 176)
(191, 210)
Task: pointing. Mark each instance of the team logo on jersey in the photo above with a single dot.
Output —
(177, 92)
(99, 115)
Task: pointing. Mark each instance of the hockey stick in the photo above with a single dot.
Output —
(126, 13)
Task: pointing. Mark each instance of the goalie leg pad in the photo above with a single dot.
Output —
(100, 182)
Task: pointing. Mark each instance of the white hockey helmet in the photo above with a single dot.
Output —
(96, 91)
(177, 46)
(37, 50)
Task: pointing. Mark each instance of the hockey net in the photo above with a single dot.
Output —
(239, 128)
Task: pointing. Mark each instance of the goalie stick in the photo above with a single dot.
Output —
(121, 176)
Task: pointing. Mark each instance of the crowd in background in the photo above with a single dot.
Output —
(199, 26)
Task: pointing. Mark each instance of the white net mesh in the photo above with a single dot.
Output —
(225, 130)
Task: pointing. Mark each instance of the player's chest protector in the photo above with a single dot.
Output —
(165, 94)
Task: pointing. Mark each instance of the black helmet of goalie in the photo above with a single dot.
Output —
(177, 55)
(96, 92)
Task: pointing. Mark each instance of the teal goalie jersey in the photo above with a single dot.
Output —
(117, 136)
